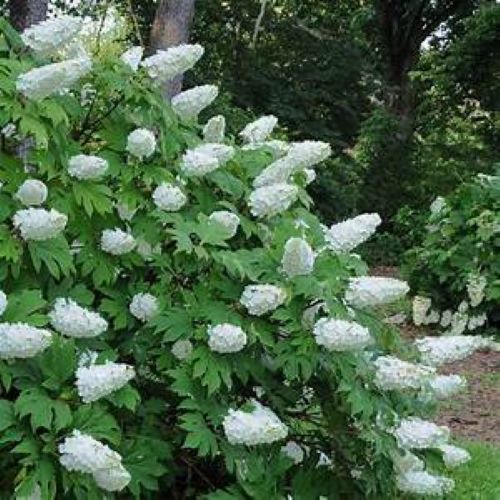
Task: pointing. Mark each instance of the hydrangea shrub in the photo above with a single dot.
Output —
(168, 323)
(455, 273)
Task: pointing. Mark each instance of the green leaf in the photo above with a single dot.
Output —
(11, 248)
(92, 196)
(199, 436)
(58, 362)
(37, 405)
(127, 397)
(95, 421)
(7, 415)
(55, 254)
(24, 307)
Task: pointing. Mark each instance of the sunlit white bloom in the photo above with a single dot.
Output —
(32, 192)
(19, 340)
(188, 104)
(476, 322)
(51, 79)
(68, 318)
(293, 451)
(437, 205)
(227, 221)
(437, 351)
(298, 258)
(367, 291)
(214, 129)
(117, 242)
(394, 374)
(453, 456)
(48, 37)
(259, 425)
(423, 483)
(446, 318)
(459, 322)
(3, 302)
(324, 460)
(39, 224)
(144, 306)
(261, 299)
(476, 285)
(306, 154)
(82, 453)
(420, 306)
(347, 235)
(84, 167)
(463, 306)
(259, 130)
(132, 57)
(9, 130)
(167, 64)
(446, 386)
(169, 197)
(96, 381)
(226, 338)
(196, 164)
(269, 201)
(415, 433)
(277, 172)
(182, 349)
(141, 143)
(310, 175)
(278, 148)
(222, 152)
(432, 317)
(341, 335)
(125, 212)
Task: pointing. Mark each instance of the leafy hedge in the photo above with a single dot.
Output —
(115, 371)
(457, 264)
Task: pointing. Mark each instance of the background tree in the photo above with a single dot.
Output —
(24, 13)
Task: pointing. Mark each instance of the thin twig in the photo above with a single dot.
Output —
(258, 22)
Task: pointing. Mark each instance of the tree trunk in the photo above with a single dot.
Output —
(171, 27)
(24, 13)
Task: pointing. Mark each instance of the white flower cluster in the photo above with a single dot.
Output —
(437, 351)
(446, 386)
(38, 224)
(415, 433)
(424, 483)
(259, 130)
(132, 57)
(406, 461)
(258, 426)
(341, 335)
(169, 197)
(188, 104)
(394, 374)
(453, 456)
(269, 201)
(205, 159)
(367, 291)
(19, 340)
(48, 37)
(298, 258)
(32, 192)
(144, 306)
(3, 302)
(215, 129)
(437, 205)
(225, 220)
(141, 143)
(276, 147)
(96, 381)
(85, 167)
(182, 349)
(226, 338)
(261, 299)
(82, 453)
(167, 64)
(347, 235)
(293, 451)
(299, 156)
(70, 319)
(420, 306)
(476, 322)
(39, 83)
(117, 242)
(125, 212)
(476, 285)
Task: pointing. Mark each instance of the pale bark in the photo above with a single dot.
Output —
(171, 27)
(24, 13)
